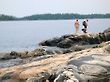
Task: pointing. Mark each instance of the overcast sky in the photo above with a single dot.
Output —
(21, 8)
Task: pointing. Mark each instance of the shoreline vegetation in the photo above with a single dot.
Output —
(53, 17)
(74, 58)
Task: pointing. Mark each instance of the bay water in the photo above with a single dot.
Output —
(25, 35)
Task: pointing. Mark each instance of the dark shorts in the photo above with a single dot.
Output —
(84, 30)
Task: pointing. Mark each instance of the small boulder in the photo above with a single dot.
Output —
(67, 43)
(22, 54)
(50, 42)
(37, 52)
(6, 56)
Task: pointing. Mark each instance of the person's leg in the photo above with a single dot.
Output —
(86, 28)
(77, 29)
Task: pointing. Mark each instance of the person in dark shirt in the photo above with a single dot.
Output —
(85, 25)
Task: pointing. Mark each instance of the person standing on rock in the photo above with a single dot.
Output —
(76, 24)
(85, 25)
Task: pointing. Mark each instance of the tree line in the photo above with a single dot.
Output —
(54, 16)
(7, 17)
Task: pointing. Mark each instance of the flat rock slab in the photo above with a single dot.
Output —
(93, 70)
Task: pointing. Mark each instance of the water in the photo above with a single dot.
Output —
(25, 35)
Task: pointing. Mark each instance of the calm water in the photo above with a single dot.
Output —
(25, 35)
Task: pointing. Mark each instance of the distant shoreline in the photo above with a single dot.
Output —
(54, 17)
(47, 20)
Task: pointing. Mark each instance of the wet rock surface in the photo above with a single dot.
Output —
(11, 62)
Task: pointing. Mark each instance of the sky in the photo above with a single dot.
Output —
(20, 8)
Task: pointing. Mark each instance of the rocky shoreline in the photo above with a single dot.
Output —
(69, 58)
